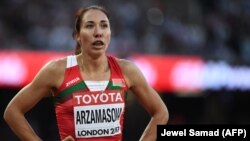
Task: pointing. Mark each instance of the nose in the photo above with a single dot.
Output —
(98, 32)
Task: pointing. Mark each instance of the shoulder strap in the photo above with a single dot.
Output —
(116, 70)
(71, 61)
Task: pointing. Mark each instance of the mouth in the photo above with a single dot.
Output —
(98, 44)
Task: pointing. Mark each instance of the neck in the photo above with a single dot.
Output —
(90, 64)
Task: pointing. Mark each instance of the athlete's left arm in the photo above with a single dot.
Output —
(147, 97)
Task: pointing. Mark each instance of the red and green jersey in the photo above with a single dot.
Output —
(91, 115)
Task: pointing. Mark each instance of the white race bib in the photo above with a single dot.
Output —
(98, 114)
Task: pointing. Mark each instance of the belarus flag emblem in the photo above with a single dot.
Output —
(118, 82)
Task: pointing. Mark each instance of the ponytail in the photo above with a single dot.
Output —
(77, 49)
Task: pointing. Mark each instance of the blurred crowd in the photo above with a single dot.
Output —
(214, 29)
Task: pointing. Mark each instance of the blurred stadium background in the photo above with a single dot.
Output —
(195, 53)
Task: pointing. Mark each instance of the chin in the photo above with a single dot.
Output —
(98, 53)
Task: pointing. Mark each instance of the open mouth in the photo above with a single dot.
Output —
(98, 43)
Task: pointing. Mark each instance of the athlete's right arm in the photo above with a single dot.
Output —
(46, 79)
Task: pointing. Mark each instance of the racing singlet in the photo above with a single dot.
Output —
(89, 115)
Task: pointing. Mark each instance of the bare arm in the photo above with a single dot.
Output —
(148, 97)
(27, 98)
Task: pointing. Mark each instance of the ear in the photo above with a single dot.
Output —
(77, 37)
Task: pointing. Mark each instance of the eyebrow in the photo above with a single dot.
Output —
(102, 21)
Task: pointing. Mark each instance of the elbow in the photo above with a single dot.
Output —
(162, 117)
(6, 115)
(9, 114)
(165, 116)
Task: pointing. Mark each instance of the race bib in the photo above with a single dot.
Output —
(98, 114)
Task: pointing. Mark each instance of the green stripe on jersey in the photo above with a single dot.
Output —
(112, 87)
(81, 86)
(70, 90)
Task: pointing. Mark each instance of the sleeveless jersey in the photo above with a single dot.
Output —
(90, 115)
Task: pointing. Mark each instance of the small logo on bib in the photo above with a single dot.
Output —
(118, 82)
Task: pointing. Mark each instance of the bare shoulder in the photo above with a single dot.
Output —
(56, 66)
(53, 71)
(131, 72)
(127, 66)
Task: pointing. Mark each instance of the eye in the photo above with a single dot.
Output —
(104, 25)
(89, 26)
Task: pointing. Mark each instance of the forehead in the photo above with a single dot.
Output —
(94, 15)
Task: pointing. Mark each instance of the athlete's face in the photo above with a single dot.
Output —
(95, 32)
